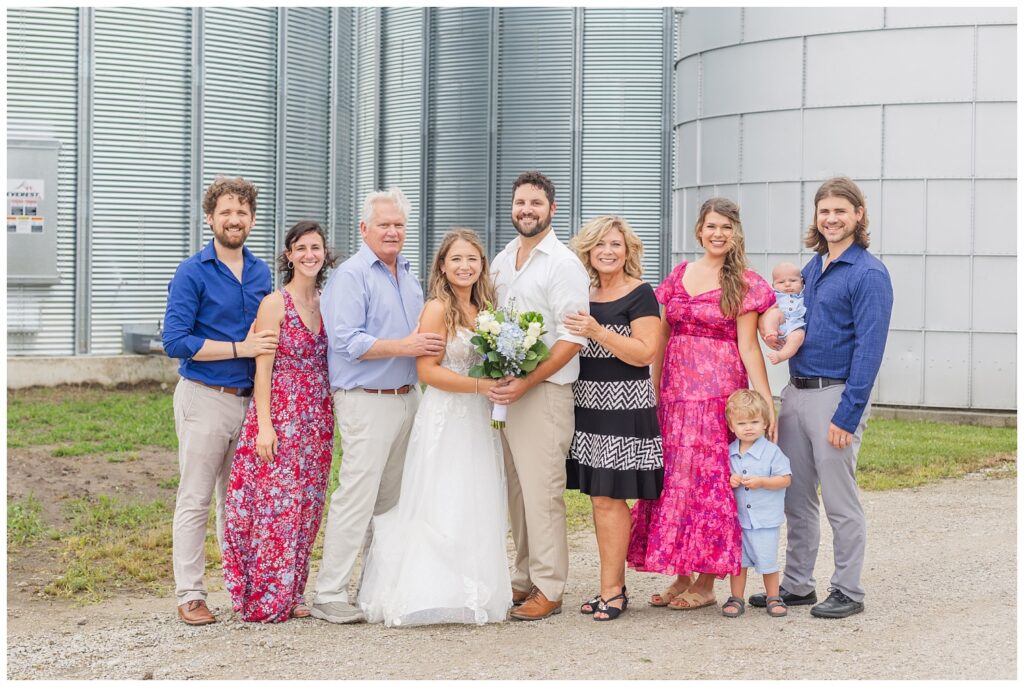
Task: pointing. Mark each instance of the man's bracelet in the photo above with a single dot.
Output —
(234, 351)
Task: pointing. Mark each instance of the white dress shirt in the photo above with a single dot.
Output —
(553, 282)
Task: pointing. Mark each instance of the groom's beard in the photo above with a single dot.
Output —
(542, 224)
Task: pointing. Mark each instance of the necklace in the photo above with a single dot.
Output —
(308, 308)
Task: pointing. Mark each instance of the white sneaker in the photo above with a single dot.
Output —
(337, 612)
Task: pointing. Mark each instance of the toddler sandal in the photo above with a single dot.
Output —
(736, 603)
(774, 602)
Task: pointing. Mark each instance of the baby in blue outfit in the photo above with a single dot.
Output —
(760, 475)
(786, 322)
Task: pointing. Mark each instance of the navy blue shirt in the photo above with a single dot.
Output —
(848, 309)
(206, 301)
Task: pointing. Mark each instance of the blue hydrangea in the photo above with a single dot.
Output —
(509, 342)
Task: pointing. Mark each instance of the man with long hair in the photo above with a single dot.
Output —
(825, 407)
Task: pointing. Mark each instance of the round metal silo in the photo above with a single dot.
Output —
(918, 105)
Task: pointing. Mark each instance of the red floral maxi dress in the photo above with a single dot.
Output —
(273, 510)
(692, 526)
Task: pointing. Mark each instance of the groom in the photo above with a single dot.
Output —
(542, 274)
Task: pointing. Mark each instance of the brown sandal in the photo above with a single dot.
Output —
(666, 597)
(693, 601)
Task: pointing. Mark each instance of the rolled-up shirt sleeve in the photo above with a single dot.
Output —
(872, 308)
(570, 293)
(343, 306)
(183, 296)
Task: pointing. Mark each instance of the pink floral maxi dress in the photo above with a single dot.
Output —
(692, 526)
(273, 510)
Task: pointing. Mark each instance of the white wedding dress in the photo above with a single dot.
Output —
(439, 555)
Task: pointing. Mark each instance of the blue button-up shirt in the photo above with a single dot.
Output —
(848, 309)
(206, 301)
(759, 507)
(362, 302)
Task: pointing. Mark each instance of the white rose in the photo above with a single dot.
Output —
(528, 341)
(494, 327)
(533, 329)
(483, 319)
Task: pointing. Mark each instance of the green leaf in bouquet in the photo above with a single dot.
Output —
(496, 373)
(493, 356)
(499, 316)
(477, 371)
(542, 350)
(528, 365)
(531, 355)
(477, 340)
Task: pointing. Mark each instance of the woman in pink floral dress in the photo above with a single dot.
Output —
(709, 319)
(278, 480)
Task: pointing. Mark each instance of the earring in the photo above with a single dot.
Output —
(290, 265)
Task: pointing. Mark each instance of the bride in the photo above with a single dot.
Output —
(439, 555)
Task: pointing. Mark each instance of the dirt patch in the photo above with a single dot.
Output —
(54, 481)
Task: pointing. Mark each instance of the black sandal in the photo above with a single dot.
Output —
(734, 602)
(612, 612)
(588, 607)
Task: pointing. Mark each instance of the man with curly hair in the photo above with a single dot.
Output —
(208, 325)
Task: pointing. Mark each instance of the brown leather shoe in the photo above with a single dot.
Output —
(537, 607)
(519, 597)
(195, 612)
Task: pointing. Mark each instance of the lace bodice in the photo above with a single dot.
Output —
(459, 354)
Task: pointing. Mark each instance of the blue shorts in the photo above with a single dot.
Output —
(761, 549)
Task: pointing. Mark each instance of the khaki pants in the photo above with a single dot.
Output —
(374, 438)
(536, 441)
(208, 424)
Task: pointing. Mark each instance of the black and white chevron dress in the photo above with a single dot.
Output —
(616, 448)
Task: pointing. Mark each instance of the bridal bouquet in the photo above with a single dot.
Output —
(510, 344)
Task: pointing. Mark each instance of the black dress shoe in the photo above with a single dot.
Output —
(790, 599)
(837, 605)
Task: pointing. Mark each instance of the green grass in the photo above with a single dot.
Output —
(90, 420)
(25, 522)
(109, 543)
(897, 454)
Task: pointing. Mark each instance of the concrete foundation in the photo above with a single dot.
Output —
(109, 370)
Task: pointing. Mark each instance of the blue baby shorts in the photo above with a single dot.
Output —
(761, 549)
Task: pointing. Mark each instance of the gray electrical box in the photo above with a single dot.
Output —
(32, 211)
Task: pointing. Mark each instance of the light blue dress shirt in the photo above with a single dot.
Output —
(362, 302)
(759, 508)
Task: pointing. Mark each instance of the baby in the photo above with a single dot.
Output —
(785, 323)
(759, 476)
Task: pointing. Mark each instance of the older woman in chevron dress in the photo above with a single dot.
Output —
(616, 449)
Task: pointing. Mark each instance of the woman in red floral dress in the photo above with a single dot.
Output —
(278, 481)
(709, 320)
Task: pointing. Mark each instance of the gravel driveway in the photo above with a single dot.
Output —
(941, 603)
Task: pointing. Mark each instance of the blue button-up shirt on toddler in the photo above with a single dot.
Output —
(759, 507)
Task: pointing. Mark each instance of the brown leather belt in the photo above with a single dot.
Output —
(234, 391)
(400, 390)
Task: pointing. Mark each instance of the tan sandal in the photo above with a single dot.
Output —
(693, 601)
(301, 611)
(665, 598)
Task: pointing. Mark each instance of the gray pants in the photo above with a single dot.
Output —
(803, 437)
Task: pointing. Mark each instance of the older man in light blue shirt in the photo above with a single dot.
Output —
(371, 308)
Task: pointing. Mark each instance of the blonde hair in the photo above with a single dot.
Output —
(838, 187)
(591, 234)
(732, 278)
(746, 404)
(439, 288)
